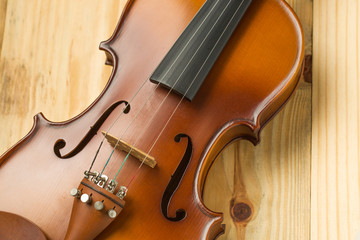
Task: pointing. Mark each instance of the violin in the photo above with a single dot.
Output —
(189, 77)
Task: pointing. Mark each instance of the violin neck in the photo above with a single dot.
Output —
(189, 61)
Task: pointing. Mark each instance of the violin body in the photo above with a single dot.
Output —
(254, 76)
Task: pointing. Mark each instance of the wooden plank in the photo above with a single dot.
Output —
(274, 177)
(335, 212)
(3, 4)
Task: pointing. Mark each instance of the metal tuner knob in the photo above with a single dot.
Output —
(99, 205)
(112, 213)
(85, 198)
(75, 192)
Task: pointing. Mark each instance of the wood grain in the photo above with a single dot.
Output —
(3, 8)
(45, 59)
(335, 209)
(44, 66)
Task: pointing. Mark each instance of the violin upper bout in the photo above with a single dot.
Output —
(105, 45)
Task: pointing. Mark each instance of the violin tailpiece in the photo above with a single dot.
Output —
(93, 210)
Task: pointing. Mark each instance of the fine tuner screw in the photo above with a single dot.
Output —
(122, 192)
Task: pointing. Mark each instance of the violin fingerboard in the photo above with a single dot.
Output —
(189, 61)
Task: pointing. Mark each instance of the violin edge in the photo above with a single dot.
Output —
(232, 131)
(249, 129)
(37, 120)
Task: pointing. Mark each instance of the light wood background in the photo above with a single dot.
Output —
(302, 179)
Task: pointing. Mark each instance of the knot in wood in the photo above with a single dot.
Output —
(241, 212)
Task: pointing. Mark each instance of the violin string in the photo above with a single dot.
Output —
(116, 119)
(152, 94)
(182, 98)
(128, 104)
(122, 134)
(168, 93)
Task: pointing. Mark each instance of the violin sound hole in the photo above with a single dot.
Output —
(175, 181)
(60, 143)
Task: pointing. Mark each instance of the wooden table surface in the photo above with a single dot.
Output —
(303, 179)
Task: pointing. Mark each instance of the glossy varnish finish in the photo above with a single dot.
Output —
(256, 73)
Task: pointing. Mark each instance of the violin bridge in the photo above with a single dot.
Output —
(135, 152)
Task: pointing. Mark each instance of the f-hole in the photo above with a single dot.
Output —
(175, 181)
(60, 143)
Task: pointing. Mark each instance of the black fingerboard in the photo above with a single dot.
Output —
(190, 59)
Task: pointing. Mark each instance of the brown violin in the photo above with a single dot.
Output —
(189, 77)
